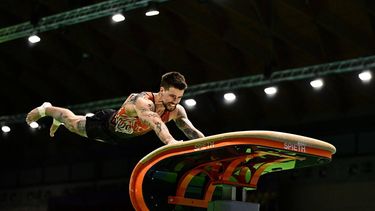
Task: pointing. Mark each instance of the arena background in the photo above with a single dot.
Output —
(85, 61)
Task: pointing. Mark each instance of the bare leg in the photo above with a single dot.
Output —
(74, 123)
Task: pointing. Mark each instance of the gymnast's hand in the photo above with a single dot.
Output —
(174, 142)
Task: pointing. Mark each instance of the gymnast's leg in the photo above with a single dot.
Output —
(74, 123)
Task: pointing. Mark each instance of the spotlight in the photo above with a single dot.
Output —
(190, 102)
(365, 76)
(152, 12)
(118, 17)
(229, 97)
(5, 129)
(317, 83)
(270, 91)
(89, 115)
(34, 125)
(34, 38)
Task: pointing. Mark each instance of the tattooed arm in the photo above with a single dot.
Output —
(144, 111)
(184, 124)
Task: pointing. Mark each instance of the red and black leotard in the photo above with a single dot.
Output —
(123, 125)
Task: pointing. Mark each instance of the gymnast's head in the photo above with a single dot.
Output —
(173, 79)
(172, 88)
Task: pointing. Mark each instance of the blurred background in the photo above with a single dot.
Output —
(314, 58)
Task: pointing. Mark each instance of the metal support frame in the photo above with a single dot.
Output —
(221, 173)
(338, 67)
(233, 84)
(71, 17)
(107, 8)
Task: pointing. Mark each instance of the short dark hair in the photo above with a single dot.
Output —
(173, 79)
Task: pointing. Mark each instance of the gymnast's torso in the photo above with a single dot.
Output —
(125, 122)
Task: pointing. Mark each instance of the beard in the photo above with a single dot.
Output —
(169, 107)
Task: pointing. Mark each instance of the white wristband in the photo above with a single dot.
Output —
(42, 109)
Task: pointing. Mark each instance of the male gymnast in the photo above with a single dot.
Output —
(139, 114)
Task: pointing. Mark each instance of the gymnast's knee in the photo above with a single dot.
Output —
(76, 124)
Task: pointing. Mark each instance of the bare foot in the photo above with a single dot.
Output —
(33, 116)
(37, 113)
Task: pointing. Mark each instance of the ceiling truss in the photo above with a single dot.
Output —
(338, 67)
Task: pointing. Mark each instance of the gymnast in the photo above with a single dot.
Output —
(139, 114)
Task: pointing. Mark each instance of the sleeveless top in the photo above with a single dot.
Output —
(123, 125)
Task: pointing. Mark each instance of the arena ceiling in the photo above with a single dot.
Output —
(206, 40)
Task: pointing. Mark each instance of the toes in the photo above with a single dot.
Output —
(32, 117)
(28, 119)
(53, 129)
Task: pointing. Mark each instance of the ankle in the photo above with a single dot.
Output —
(42, 109)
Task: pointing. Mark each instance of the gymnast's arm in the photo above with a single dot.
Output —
(146, 115)
(184, 124)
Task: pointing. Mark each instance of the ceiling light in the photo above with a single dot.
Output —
(152, 12)
(118, 17)
(89, 115)
(5, 129)
(34, 38)
(365, 76)
(229, 97)
(270, 91)
(34, 125)
(190, 102)
(317, 83)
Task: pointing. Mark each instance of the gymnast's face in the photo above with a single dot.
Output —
(171, 97)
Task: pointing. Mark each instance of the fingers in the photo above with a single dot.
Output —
(175, 142)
